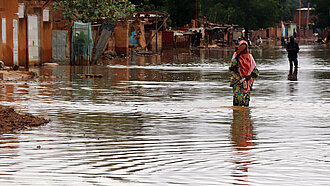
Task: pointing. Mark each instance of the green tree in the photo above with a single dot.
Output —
(180, 11)
(151, 5)
(94, 11)
(288, 9)
(322, 12)
(248, 13)
(252, 14)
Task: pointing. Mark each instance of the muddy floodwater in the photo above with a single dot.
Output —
(169, 120)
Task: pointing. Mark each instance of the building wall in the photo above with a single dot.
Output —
(46, 41)
(262, 33)
(59, 23)
(35, 7)
(23, 51)
(271, 32)
(112, 43)
(304, 15)
(168, 39)
(154, 39)
(121, 31)
(8, 10)
(278, 32)
(159, 41)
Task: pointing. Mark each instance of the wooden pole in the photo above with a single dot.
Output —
(299, 17)
(215, 16)
(156, 32)
(157, 35)
(307, 26)
(196, 15)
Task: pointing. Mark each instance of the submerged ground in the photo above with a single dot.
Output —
(167, 120)
(10, 120)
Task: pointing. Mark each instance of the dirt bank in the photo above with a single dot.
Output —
(10, 75)
(12, 121)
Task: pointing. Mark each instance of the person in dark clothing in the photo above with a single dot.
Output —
(198, 39)
(293, 49)
(193, 38)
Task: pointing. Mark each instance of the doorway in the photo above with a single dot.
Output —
(15, 42)
(59, 45)
(34, 39)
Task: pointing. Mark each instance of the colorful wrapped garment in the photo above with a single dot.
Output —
(242, 67)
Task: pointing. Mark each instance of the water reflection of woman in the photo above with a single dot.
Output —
(244, 71)
(242, 134)
(293, 74)
(242, 129)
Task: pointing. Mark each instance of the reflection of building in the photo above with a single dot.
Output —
(120, 74)
(147, 68)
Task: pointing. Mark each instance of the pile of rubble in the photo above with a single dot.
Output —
(12, 121)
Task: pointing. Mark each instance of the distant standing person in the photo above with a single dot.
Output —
(198, 39)
(244, 71)
(293, 49)
(193, 38)
(259, 41)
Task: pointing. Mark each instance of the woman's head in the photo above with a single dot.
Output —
(242, 47)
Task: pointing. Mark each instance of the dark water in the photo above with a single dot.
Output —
(169, 121)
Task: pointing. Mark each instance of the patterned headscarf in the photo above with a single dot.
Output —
(247, 64)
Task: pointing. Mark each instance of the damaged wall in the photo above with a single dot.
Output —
(154, 40)
(121, 38)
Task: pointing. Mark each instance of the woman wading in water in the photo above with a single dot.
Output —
(244, 71)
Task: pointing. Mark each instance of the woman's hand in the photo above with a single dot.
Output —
(233, 68)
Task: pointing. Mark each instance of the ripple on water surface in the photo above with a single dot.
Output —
(169, 121)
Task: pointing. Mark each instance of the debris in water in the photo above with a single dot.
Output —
(11, 120)
(93, 75)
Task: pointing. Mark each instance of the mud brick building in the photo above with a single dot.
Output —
(31, 32)
(306, 16)
(144, 29)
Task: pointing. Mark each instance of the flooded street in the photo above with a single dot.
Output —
(169, 120)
